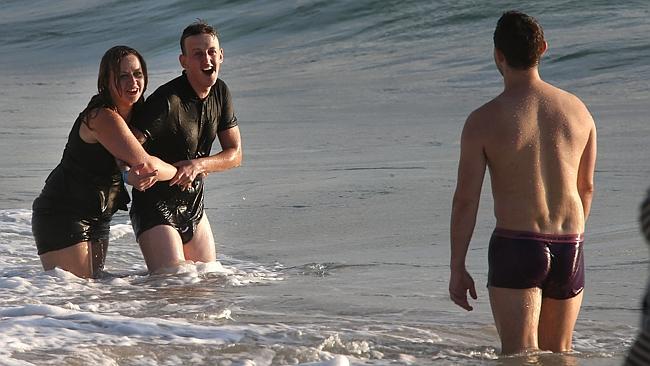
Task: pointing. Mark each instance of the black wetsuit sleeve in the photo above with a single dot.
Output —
(152, 120)
(227, 119)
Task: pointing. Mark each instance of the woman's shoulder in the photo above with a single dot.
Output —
(101, 115)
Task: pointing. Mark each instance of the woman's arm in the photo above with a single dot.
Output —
(109, 129)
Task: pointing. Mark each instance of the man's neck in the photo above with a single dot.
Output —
(514, 78)
(201, 92)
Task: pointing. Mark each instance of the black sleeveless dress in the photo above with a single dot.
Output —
(80, 196)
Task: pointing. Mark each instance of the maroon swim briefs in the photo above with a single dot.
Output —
(552, 262)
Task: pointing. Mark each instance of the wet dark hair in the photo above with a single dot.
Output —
(198, 27)
(111, 63)
(520, 38)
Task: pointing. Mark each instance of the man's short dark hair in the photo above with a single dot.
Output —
(198, 27)
(520, 38)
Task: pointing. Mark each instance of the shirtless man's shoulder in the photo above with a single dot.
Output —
(505, 110)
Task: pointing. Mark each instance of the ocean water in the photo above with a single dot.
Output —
(333, 235)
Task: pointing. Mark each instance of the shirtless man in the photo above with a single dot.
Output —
(181, 120)
(539, 143)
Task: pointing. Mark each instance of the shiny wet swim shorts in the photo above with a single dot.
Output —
(55, 228)
(164, 205)
(521, 260)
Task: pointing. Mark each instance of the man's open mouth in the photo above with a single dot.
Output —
(209, 70)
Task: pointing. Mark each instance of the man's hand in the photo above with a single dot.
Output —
(187, 171)
(460, 282)
(141, 179)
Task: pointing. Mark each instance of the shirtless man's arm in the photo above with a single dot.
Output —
(471, 172)
(586, 171)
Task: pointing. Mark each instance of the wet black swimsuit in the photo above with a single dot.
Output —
(179, 126)
(79, 198)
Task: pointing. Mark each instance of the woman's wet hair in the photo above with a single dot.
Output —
(109, 72)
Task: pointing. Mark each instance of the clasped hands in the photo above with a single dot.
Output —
(142, 178)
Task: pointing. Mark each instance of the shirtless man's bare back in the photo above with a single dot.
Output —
(539, 143)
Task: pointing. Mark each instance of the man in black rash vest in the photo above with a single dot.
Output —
(181, 120)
